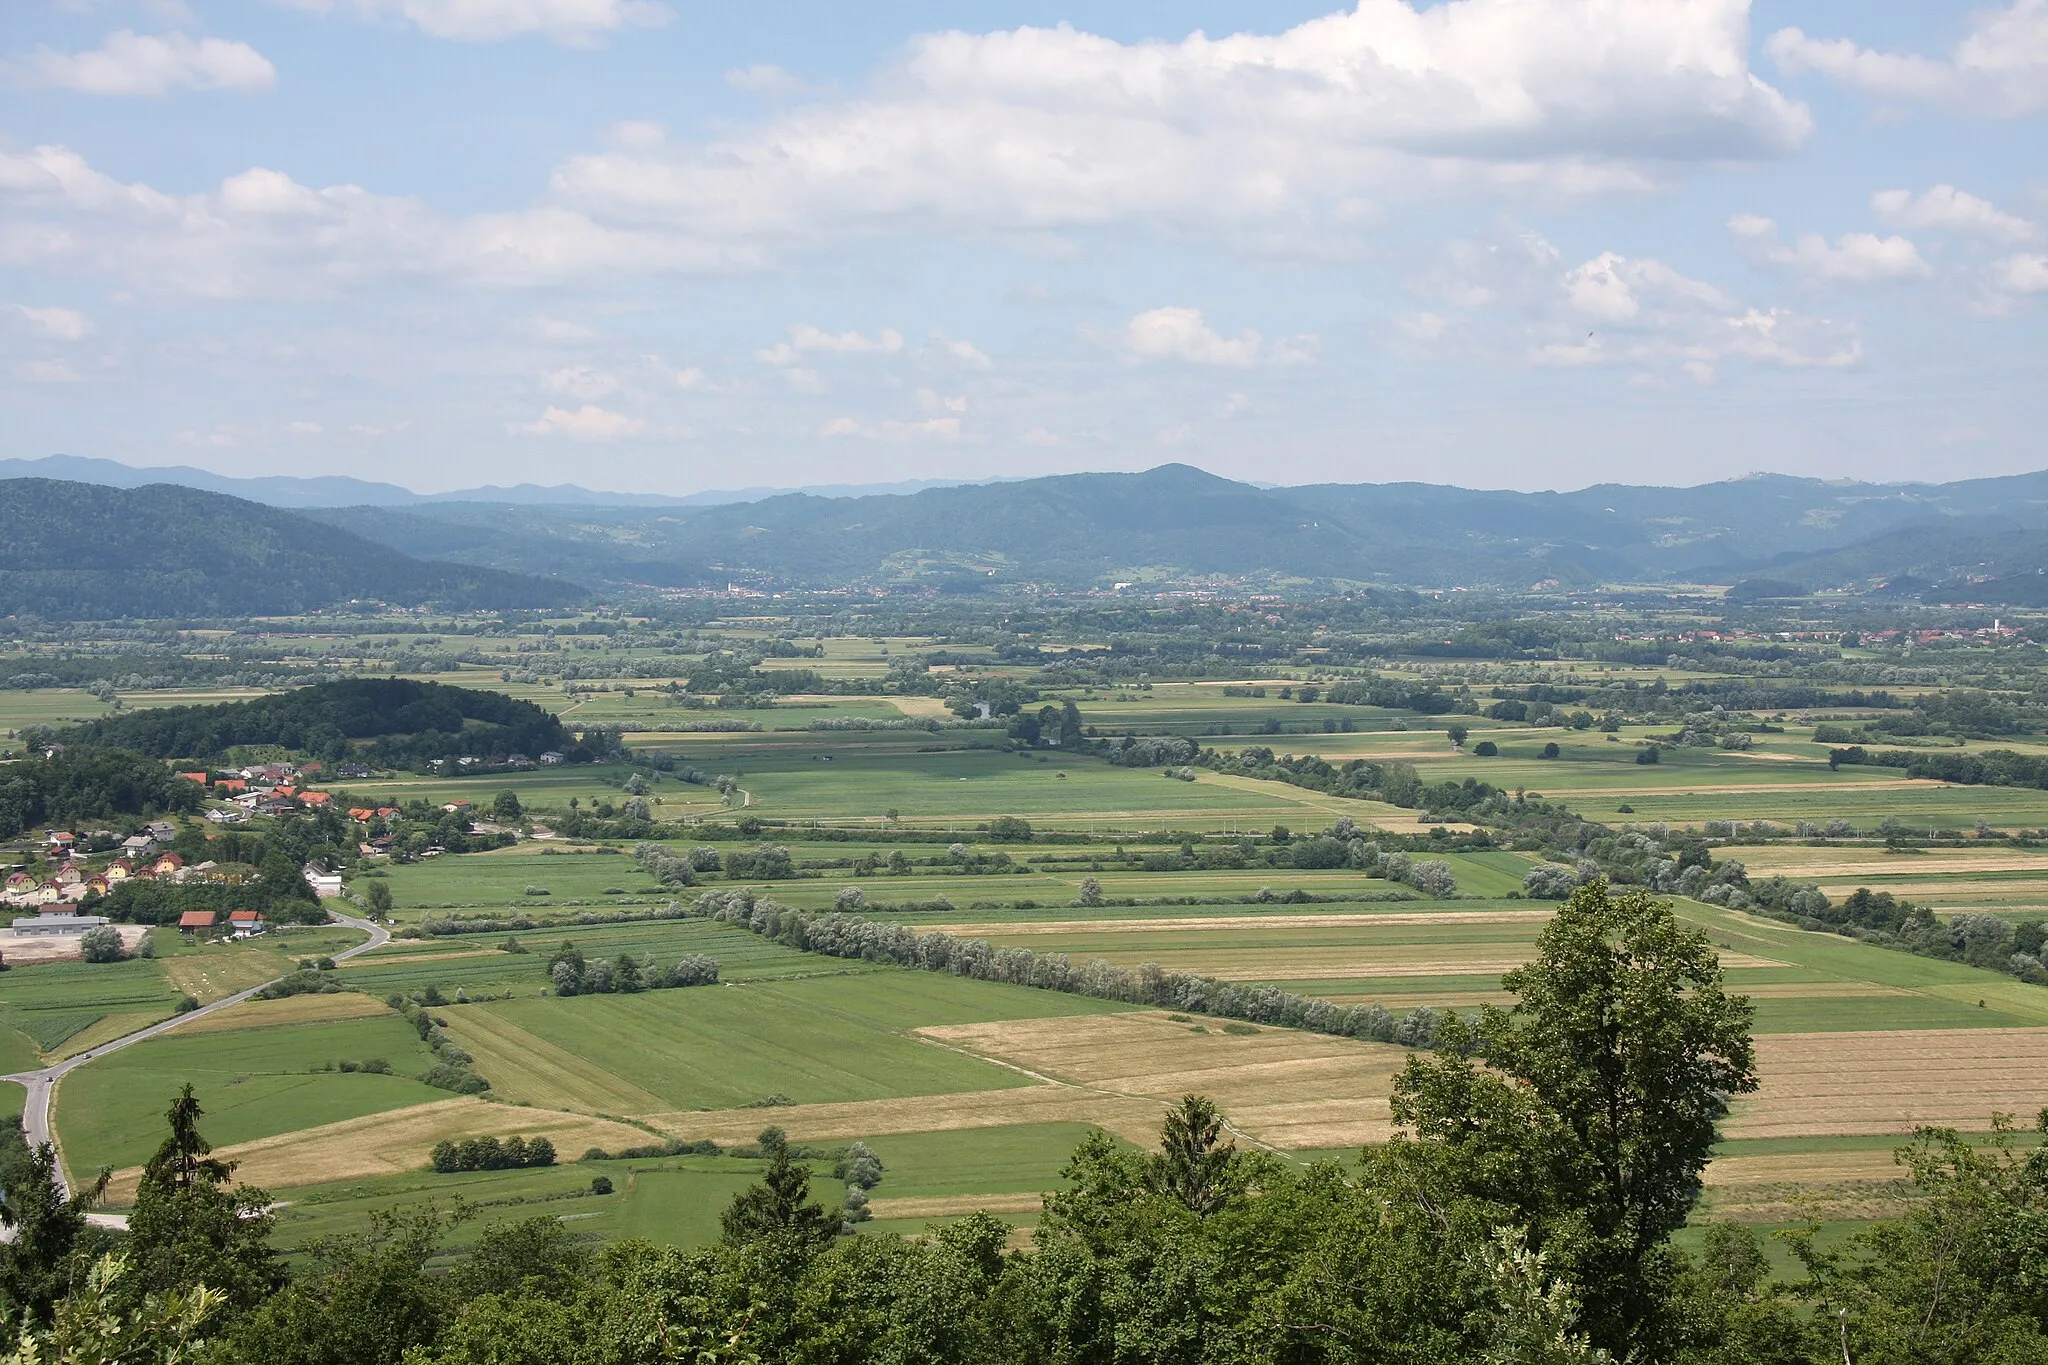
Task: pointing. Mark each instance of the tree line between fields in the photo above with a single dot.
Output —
(1522, 1215)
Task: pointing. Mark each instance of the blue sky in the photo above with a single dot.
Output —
(644, 244)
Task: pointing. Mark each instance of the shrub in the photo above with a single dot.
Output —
(1486, 748)
(186, 1004)
(102, 944)
(600, 1184)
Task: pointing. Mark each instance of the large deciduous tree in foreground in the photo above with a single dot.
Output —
(1587, 1111)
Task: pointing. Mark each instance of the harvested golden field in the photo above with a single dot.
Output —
(1890, 1082)
(397, 1140)
(1015, 929)
(1814, 863)
(1137, 1119)
(1279, 1087)
(1793, 1187)
(527, 1067)
(955, 1206)
(296, 1009)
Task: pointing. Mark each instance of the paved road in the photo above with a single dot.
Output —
(35, 1114)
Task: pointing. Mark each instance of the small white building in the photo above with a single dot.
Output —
(326, 885)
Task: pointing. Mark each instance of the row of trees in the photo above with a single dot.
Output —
(492, 1154)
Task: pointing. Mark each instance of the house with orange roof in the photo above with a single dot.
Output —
(200, 778)
(245, 923)
(362, 815)
(166, 865)
(315, 798)
(195, 921)
(233, 784)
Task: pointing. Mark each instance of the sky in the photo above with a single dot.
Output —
(653, 245)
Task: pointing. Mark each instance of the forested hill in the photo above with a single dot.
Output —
(386, 720)
(88, 552)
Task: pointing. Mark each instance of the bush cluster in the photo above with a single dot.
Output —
(571, 974)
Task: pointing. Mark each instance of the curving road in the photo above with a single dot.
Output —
(35, 1114)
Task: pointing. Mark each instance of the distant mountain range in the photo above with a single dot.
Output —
(335, 490)
(76, 551)
(1940, 540)
(1977, 540)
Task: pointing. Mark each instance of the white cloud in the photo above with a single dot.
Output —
(2022, 274)
(933, 401)
(260, 233)
(131, 63)
(1282, 142)
(803, 379)
(559, 330)
(1945, 208)
(966, 352)
(930, 429)
(1513, 300)
(303, 428)
(587, 423)
(1999, 68)
(581, 381)
(58, 324)
(765, 79)
(576, 23)
(689, 378)
(1853, 258)
(47, 372)
(805, 339)
(1182, 334)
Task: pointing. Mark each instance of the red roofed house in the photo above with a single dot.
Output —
(20, 881)
(200, 778)
(71, 874)
(62, 840)
(193, 921)
(315, 798)
(166, 865)
(120, 870)
(245, 922)
(232, 784)
(362, 815)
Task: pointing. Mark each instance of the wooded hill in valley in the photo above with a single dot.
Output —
(382, 720)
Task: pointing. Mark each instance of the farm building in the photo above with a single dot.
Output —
(196, 922)
(56, 926)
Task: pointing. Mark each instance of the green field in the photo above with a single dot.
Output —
(253, 1083)
(818, 1040)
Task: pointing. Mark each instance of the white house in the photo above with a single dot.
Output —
(326, 885)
